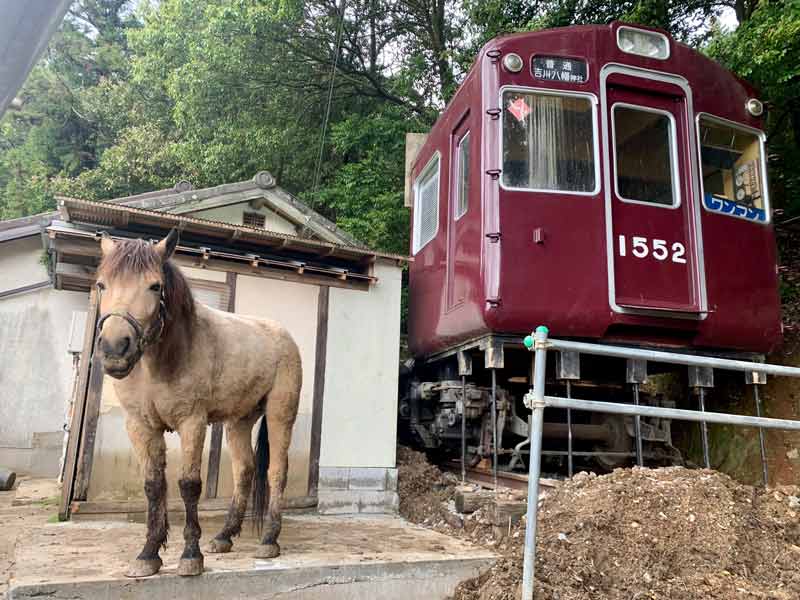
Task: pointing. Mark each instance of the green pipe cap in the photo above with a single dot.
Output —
(528, 341)
(542, 329)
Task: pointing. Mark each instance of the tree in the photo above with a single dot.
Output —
(55, 130)
(765, 50)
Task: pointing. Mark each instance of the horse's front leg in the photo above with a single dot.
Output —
(151, 452)
(192, 432)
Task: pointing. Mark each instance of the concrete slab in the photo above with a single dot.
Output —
(360, 557)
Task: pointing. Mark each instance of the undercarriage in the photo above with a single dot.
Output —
(449, 415)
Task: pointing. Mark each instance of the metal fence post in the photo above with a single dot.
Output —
(756, 378)
(534, 401)
(701, 378)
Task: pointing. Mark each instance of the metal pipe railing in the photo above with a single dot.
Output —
(673, 357)
(678, 414)
(537, 402)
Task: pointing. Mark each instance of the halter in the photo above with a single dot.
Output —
(143, 338)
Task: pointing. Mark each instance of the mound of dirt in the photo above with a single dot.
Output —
(635, 534)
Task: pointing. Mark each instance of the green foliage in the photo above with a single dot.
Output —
(132, 96)
(765, 50)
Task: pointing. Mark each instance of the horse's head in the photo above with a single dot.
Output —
(131, 283)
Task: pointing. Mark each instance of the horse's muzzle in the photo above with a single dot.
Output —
(119, 354)
(119, 367)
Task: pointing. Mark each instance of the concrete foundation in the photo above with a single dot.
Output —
(364, 557)
(352, 490)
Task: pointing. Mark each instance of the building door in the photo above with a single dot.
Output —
(656, 257)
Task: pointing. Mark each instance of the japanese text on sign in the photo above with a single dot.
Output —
(553, 68)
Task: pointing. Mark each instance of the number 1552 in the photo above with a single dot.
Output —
(641, 247)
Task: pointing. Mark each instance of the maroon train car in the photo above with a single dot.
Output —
(606, 181)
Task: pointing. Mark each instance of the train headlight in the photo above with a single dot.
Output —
(754, 107)
(513, 62)
(644, 43)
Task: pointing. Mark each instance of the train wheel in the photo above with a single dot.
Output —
(618, 442)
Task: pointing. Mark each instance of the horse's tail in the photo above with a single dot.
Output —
(260, 490)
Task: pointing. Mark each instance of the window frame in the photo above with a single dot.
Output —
(762, 140)
(594, 103)
(212, 286)
(677, 196)
(465, 139)
(434, 160)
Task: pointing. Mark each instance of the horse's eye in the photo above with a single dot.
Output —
(101, 286)
(156, 287)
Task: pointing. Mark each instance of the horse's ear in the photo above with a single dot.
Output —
(166, 247)
(107, 244)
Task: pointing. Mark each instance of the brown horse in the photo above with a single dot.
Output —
(180, 365)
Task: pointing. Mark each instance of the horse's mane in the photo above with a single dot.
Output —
(135, 257)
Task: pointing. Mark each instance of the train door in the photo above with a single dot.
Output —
(458, 205)
(652, 206)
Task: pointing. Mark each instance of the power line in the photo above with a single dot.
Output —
(334, 63)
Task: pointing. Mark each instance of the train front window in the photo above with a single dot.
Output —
(731, 161)
(644, 151)
(548, 142)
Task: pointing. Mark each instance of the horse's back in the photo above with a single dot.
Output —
(251, 353)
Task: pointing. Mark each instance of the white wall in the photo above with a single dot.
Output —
(233, 213)
(36, 372)
(20, 263)
(359, 425)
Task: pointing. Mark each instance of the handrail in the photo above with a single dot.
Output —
(727, 364)
(536, 400)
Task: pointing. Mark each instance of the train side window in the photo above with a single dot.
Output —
(644, 151)
(426, 205)
(732, 167)
(548, 142)
(462, 166)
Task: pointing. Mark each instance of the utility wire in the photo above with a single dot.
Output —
(334, 63)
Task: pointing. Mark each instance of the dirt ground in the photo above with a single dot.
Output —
(634, 534)
(17, 521)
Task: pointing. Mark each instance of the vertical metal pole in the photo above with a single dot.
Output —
(569, 431)
(637, 427)
(494, 428)
(701, 392)
(537, 406)
(463, 428)
(761, 442)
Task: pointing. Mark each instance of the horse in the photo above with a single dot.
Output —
(178, 365)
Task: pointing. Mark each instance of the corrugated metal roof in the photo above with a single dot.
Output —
(121, 216)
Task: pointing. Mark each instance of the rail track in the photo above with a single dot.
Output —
(485, 478)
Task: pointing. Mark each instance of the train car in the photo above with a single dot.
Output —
(606, 181)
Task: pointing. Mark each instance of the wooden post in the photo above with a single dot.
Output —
(78, 405)
(215, 447)
(319, 389)
(94, 397)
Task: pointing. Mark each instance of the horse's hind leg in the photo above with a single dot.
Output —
(151, 452)
(192, 432)
(240, 446)
(281, 412)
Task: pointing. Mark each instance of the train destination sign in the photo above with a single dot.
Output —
(555, 68)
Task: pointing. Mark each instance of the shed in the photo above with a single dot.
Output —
(249, 248)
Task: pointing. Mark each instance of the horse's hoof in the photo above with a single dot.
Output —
(189, 567)
(144, 567)
(267, 550)
(220, 546)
